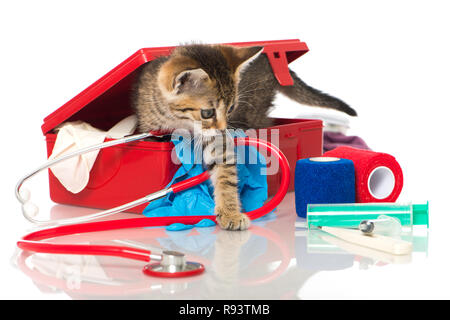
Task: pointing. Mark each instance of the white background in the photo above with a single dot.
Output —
(387, 59)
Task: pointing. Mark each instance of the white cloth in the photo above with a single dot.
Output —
(74, 173)
(333, 120)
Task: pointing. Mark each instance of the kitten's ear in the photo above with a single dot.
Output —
(239, 58)
(180, 74)
(190, 81)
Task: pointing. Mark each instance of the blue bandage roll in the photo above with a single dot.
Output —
(323, 180)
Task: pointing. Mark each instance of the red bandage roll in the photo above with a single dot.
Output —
(378, 176)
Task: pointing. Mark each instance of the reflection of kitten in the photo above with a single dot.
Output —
(198, 84)
(225, 276)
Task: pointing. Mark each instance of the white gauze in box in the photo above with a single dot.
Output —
(73, 173)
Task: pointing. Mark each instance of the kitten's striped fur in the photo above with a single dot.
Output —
(184, 89)
(201, 84)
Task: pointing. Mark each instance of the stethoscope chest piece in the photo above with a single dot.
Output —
(173, 265)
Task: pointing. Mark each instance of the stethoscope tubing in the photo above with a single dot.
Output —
(78, 152)
(32, 242)
(81, 151)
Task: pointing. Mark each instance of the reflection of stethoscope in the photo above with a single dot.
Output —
(112, 287)
(171, 264)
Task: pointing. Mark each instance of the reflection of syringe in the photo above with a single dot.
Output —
(366, 252)
(374, 241)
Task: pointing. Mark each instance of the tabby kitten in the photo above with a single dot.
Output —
(207, 89)
(197, 84)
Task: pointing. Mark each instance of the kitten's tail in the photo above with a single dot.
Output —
(305, 94)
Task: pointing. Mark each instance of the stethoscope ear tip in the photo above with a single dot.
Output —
(25, 194)
(29, 209)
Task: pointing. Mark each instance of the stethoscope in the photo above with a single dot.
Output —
(93, 287)
(169, 263)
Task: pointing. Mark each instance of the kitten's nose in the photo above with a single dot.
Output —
(221, 124)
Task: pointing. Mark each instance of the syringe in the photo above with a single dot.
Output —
(350, 215)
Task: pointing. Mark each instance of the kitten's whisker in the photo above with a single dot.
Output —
(251, 84)
(237, 122)
(228, 133)
(249, 104)
(197, 146)
(244, 96)
(249, 91)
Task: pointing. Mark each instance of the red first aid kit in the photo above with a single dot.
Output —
(124, 173)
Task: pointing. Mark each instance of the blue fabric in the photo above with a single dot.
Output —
(199, 200)
(201, 243)
(204, 223)
(323, 182)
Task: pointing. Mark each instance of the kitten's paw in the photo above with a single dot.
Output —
(233, 221)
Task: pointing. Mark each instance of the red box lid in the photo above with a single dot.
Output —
(107, 101)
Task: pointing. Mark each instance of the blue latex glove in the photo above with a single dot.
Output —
(199, 200)
(204, 223)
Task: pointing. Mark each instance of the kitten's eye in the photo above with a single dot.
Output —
(230, 109)
(208, 113)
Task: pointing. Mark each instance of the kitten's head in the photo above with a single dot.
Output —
(200, 82)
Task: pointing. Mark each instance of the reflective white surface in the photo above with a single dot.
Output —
(271, 260)
(387, 59)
